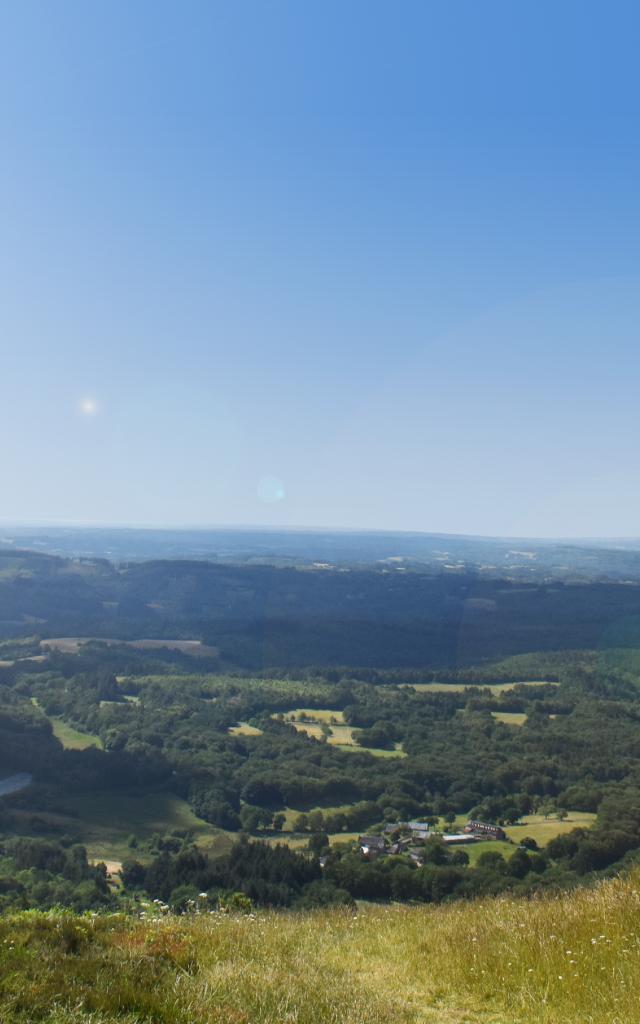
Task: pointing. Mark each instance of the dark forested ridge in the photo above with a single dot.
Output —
(260, 616)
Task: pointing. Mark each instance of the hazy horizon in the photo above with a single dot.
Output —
(349, 265)
(313, 528)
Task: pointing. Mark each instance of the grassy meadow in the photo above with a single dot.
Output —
(542, 829)
(73, 739)
(569, 959)
(311, 721)
(104, 821)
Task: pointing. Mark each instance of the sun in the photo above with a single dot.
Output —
(88, 406)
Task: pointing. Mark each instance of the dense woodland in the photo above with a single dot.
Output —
(258, 617)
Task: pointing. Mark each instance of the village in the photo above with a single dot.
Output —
(410, 837)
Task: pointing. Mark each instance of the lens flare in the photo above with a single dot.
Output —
(270, 489)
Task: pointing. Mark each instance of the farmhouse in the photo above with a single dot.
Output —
(401, 846)
(418, 829)
(483, 828)
(372, 846)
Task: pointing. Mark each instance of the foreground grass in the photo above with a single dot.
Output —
(573, 959)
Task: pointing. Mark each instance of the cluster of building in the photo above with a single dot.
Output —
(372, 846)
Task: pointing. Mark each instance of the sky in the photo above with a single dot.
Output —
(337, 264)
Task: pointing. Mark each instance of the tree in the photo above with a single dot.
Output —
(318, 842)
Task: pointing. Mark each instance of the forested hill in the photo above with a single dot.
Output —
(264, 616)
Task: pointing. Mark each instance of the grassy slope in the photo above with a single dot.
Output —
(565, 960)
(72, 738)
(104, 821)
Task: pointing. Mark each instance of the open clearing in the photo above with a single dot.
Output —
(509, 717)
(73, 739)
(244, 729)
(312, 720)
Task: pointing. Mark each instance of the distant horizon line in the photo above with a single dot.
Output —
(77, 524)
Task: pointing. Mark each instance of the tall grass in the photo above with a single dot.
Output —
(572, 959)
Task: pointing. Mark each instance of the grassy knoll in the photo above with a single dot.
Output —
(72, 738)
(570, 959)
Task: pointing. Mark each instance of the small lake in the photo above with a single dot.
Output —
(14, 783)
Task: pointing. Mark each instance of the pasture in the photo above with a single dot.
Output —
(73, 739)
(544, 829)
(312, 720)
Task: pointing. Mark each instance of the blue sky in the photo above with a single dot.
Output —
(328, 264)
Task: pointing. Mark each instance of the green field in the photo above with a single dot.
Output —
(568, 959)
(311, 720)
(509, 717)
(543, 830)
(72, 738)
(474, 850)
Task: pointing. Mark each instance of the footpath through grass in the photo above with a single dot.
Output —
(570, 959)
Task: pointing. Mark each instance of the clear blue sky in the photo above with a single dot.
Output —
(321, 263)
